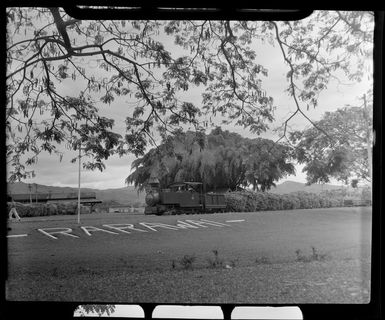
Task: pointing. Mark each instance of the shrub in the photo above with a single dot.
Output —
(235, 201)
(215, 262)
(314, 256)
(251, 201)
(187, 261)
(47, 209)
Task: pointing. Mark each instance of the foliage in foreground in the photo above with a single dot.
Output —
(151, 65)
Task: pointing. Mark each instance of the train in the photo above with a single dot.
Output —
(182, 198)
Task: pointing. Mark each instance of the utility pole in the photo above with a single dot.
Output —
(30, 195)
(80, 148)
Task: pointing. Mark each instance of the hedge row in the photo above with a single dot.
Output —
(47, 209)
(249, 201)
(237, 201)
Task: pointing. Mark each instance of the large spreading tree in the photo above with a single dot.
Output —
(47, 51)
(221, 160)
(346, 153)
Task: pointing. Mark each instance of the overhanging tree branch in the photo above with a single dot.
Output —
(293, 88)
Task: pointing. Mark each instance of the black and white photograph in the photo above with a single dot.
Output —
(201, 161)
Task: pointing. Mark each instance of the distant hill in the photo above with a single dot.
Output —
(126, 195)
(21, 187)
(292, 186)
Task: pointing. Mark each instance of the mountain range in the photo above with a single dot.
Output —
(129, 195)
(292, 186)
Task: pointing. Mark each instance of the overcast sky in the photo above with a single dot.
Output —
(49, 171)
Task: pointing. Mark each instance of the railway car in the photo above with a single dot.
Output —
(182, 197)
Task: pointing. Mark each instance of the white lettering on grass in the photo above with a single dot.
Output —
(126, 228)
(215, 223)
(64, 231)
(122, 227)
(235, 220)
(17, 235)
(203, 223)
(151, 226)
(89, 229)
(185, 225)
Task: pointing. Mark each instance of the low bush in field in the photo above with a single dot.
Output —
(215, 262)
(314, 256)
(249, 201)
(187, 261)
(47, 209)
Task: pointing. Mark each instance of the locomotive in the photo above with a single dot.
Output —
(182, 198)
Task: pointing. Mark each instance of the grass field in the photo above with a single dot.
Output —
(296, 256)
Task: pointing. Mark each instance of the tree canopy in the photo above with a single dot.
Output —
(220, 160)
(346, 153)
(108, 60)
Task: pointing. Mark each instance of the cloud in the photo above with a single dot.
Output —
(50, 171)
